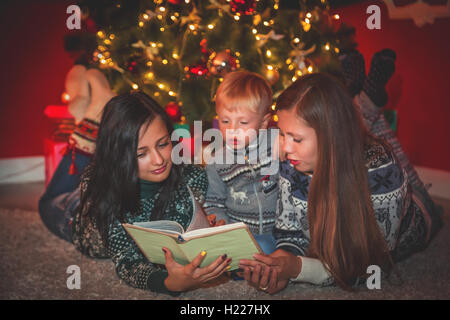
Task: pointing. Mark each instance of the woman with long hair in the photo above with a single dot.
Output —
(131, 178)
(344, 202)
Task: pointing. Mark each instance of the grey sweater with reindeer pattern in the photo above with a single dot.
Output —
(245, 191)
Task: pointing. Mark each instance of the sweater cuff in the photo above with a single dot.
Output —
(155, 283)
(313, 271)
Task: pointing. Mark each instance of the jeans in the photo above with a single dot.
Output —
(266, 242)
(62, 196)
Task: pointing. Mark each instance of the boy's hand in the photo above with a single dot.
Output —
(212, 221)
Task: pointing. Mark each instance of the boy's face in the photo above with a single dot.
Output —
(240, 127)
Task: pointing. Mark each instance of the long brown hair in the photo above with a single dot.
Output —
(344, 233)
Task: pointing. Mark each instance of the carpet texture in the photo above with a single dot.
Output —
(33, 265)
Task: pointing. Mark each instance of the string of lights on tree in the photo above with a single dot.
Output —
(178, 51)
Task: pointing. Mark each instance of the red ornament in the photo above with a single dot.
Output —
(199, 70)
(173, 111)
(244, 7)
(175, 2)
(132, 66)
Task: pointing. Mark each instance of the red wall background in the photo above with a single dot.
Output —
(420, 88)
(34, 64)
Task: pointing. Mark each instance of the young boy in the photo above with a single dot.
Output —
(246, 190)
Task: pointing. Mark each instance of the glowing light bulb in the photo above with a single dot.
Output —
(171, 93)
(135, 86)
(141, 24)
(296, 40)
(269, 67)
(210, 26)
(336, 16)
(268, 53)
(236, 17)
(165, 61)
(145, 16)
(308, 15)
(310, 69)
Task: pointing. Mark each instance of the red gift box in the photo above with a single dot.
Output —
(60, 125)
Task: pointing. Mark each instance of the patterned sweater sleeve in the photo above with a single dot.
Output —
(289, 232)
(196, 178)
(216, 195)
(390, 197)
(132, 266)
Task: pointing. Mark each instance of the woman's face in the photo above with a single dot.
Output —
(154, 152)
(298, 141)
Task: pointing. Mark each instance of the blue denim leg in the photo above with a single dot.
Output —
(57, 214)
(268, 245)
(62, 196)
(62, 181)
(266, 242)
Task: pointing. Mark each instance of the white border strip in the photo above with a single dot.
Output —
(21, 170)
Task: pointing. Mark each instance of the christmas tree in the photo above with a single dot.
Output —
(177, 51)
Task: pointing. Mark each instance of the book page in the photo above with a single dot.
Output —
(199, 220)
(211, 230)
(151, 243)
(163, 225)
(236, 243)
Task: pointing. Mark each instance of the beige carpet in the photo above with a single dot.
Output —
(33, 265)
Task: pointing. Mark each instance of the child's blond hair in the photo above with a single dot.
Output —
(244, 89)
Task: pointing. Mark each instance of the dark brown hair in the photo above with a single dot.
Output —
(344, 233)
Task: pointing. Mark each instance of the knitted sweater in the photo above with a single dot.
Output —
(399, 219)
(131, 265)
(242, 193)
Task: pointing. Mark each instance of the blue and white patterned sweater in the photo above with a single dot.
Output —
(399, 219)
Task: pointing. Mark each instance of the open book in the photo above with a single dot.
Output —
(234, 239)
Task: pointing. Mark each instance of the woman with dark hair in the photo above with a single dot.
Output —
(344, 201)
(131, 178)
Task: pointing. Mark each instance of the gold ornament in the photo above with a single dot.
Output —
(221, 63)
(272, 75)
